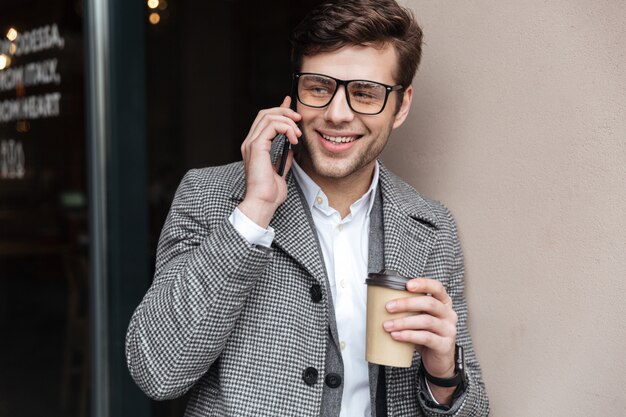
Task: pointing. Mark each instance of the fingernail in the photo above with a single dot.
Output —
(391, 305)
(395, 335)
(388, 325)
(411, 285)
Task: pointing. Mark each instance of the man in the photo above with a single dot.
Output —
(258, 301)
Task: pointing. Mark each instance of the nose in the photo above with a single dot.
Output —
(338, 110)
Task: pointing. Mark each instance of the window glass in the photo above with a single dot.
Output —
(43, 197)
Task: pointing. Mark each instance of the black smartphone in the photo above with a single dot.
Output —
(286, 144)
(284, 155)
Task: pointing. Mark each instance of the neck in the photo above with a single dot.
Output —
(343, 192)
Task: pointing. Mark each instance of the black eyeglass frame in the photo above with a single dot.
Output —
(388, 90)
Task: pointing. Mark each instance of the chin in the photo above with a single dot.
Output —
(335, 169)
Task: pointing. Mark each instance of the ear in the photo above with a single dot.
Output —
(401, 115)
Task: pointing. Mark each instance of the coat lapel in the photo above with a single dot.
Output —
(293, 226)
(295, 235)
(409, 226)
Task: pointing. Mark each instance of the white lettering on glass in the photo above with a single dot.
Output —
(12, 159)
(35, 40)
(29, 108)
(32, 74)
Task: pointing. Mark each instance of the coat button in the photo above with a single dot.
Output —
(316, 293)
(333, 380)
(310, 376)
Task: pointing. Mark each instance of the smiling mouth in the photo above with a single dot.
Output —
(339, 139)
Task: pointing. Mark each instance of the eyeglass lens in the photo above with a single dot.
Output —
(364, 96)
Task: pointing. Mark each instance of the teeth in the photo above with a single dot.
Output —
(339, 139)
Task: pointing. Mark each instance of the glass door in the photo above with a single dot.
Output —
(44, 356)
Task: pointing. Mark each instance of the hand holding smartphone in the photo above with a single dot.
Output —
(266, 191)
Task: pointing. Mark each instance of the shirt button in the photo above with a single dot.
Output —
(342, 345)
(319, 200)
(343, 283)
(310, 376)
(340, 227)
(333, 380)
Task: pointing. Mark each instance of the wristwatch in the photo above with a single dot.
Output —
(459, 378)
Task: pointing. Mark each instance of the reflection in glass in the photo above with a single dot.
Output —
(44, 360)
(5, 61)
(154, 18)
(12, 34)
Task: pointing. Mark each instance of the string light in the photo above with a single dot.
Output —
(5, 61)
(154, 18)
(153, 4)
(12, 34)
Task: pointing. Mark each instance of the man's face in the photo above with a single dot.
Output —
(338, 143)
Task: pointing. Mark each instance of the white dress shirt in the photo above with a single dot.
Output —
(344, 243)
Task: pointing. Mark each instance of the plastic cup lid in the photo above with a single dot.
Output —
(388, 279)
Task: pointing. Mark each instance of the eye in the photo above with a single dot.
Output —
(318, 89)
(316, 86)
(364, 95)
(367, 92)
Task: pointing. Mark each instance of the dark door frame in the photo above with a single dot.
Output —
(118, 201)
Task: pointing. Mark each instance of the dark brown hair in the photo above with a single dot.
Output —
(338, 23)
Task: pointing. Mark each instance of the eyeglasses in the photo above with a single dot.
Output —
(363, 96)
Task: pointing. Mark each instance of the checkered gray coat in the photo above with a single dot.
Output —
(236, 323)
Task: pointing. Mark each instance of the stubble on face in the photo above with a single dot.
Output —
(321, 164)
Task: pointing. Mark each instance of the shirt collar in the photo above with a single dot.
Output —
(311, 190)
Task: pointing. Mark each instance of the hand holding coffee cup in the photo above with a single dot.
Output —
(412, 321)
(382, 288)
(428, 323)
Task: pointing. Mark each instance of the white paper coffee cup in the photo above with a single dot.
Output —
(380, 347)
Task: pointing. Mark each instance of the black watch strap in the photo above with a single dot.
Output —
(459, 371)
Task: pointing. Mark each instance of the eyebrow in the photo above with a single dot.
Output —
(366, 83)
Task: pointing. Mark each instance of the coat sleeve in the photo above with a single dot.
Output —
(474, 401)
(204, 271)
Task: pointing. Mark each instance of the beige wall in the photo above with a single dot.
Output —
(519, 126)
